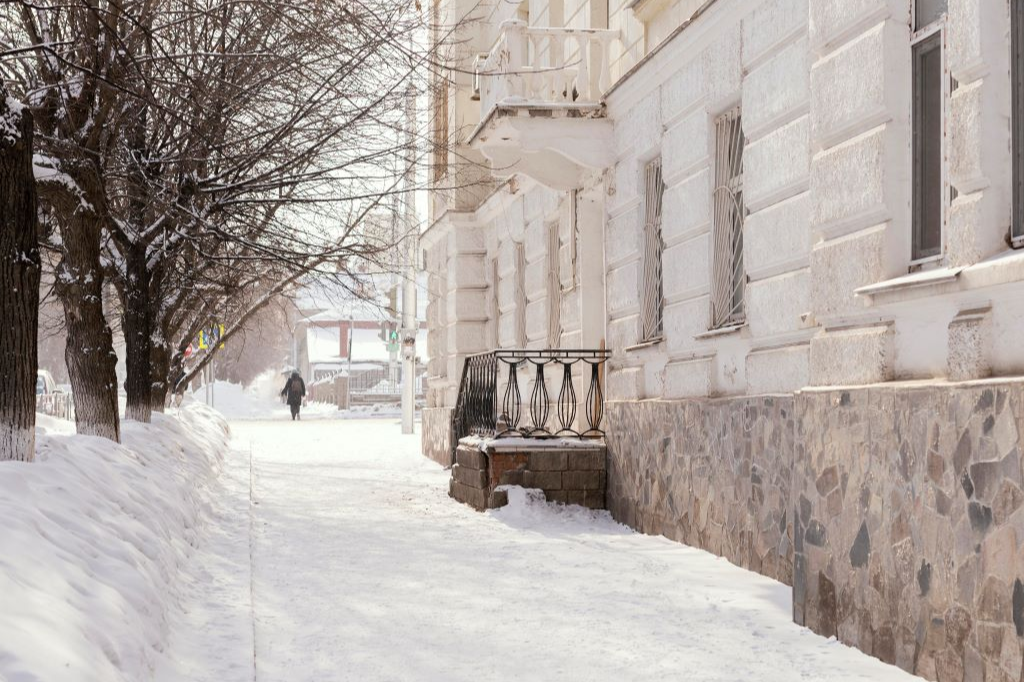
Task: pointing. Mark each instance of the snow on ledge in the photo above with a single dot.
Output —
(531, 444)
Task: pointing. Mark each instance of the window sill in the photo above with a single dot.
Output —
(645, 344)
(721, 331)
(1004, 268)
(924, 278)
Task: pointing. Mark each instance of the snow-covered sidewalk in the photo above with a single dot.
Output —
(365, 570)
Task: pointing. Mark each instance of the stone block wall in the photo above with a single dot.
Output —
(714, 474)
(437, 434)
(909, 526)
(896, 511)
(568, 475)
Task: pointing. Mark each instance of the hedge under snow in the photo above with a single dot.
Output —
(92, 538)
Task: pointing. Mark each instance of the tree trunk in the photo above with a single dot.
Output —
(137, 324)
(160, 361)
(90, 351)
(19, 283)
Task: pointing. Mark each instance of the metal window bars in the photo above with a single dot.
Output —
(495, 321)
(554, 287)
(728, 277)
(520, 294)
(491, 399)
(652, 292)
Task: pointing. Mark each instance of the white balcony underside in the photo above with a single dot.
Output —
(556, 145)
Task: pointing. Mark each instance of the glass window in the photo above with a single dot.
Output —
(928, 155)
(1017, 9)
(928, 12)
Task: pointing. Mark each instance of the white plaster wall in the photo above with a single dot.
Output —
(670, 112)
(824, 86)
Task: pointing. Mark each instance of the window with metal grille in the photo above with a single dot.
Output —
(652, 293)
(570, 276)
(1017, 28)
(495, 304)
(520, 295)
(729, 279)
(554, 286)
(441, 130)
(441, 102)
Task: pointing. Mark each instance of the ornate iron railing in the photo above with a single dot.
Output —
(495, 385)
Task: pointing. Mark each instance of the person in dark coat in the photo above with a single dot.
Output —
(295, 391)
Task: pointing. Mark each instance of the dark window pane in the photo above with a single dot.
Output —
(1018, 118)
(929, 11)
(928, 147)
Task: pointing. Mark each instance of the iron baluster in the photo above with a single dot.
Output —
(595, 401)
(539, 408)
(567, 402)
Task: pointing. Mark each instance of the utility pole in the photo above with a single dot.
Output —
(348, 384)
(409, 324)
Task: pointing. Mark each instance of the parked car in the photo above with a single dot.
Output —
(45, 385)
(52, 399)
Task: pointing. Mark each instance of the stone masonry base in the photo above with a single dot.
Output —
(895, 511)
(436, 428)
(573, 474)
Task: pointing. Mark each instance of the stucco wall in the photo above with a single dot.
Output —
(755, 55)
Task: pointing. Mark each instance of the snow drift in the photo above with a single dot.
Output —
(92, 538)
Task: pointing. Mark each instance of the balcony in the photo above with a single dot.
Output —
(540, 98)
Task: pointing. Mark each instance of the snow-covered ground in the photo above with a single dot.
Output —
(364, 570)
(93, 536)
(322, 551)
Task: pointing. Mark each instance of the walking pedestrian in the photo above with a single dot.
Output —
(294, 390)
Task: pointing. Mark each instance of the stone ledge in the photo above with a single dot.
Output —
(574, 474)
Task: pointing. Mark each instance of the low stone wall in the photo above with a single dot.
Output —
(436, 425)
(567, 475)
(895, 511)
(714, 474)
(910, 528)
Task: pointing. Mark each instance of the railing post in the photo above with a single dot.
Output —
(517, 52)
(583, 84)
(604, 80)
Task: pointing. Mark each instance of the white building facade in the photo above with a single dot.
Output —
(795, 224)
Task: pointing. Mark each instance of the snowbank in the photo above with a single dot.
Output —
(93, 535)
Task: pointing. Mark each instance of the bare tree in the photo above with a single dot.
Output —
(19, 282)
(205, 156)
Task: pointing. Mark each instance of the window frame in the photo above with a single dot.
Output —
(917, 37)
(652, 331)
(1017, 122)
(522, 300)
(736, 317)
